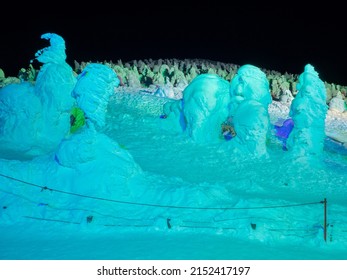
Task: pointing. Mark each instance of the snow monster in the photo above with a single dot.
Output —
(34, 118)
(248, 110)
(211, 107)
(308, 111)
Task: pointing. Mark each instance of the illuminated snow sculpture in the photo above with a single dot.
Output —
(338, 103)
(85, 160)
(250, 98)
(35, 118)
(174, 117)
(103, 163)
(209, 102)
(93, 90)
(251, 124)
(203, 108)
(249, 83)
(308, 111)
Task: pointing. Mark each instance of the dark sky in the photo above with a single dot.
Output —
(274, 37)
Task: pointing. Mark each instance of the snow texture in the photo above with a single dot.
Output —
(209, 101)
(337, 103)
(35, 118)
(93, 90)
(156, 178)
(205, 107)
(308, 111)
(250, 83)
(250, 98)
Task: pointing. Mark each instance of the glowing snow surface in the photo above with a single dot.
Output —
(124, 186)
(213, 179)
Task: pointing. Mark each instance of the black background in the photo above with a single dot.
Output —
(278, 36)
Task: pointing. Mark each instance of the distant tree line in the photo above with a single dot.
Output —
(178, 72)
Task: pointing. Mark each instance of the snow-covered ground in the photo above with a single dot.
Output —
(197, 202)
(90, 170)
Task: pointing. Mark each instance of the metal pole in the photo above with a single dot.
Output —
(325, 219)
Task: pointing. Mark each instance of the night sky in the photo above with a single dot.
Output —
(281, 38)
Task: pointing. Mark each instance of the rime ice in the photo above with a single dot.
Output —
(250, 98)
(209, 102)
(308, 111)
(93, 90)
(35, 118)
(205, 107)
(249, 83)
